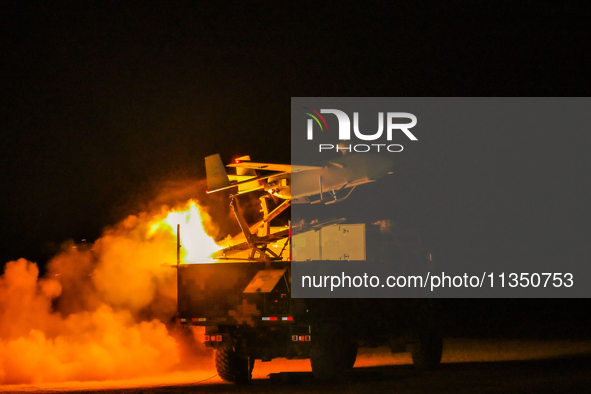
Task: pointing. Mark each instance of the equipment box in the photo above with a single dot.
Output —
(336, 242)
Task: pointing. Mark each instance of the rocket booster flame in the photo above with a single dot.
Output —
(196, 244)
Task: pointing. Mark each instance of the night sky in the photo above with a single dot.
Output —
(102, 105)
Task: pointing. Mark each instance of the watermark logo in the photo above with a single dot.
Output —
(392, 122)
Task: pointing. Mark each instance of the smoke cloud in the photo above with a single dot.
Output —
(102, 311)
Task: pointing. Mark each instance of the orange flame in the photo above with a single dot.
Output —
(197, 245)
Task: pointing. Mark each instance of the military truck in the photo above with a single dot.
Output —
(246, 307)
(244, 300)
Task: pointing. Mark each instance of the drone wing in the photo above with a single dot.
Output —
(246, 178)
(271, 167)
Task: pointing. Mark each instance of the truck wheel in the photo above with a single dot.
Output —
(231, 367)
(351, 356)
(426, 353)
(332, 353)
(427, 348)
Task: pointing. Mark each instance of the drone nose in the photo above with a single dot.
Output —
(389, 166)
(381, 167)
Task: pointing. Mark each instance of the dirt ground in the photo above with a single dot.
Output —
(469, 366)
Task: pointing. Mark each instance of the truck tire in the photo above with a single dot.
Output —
(351, 356)
(332, 353)
(426, 353)
(231, 367)
(427, 347)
